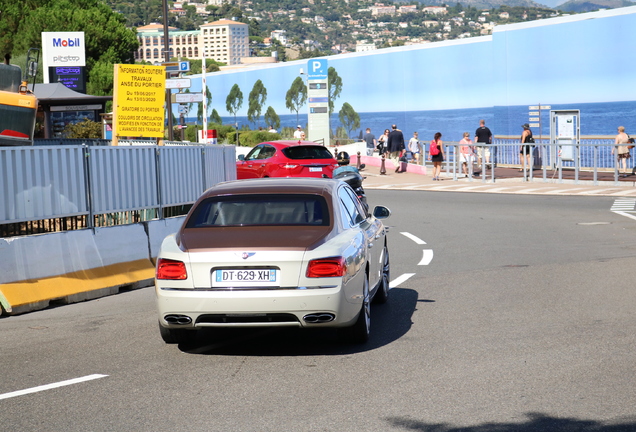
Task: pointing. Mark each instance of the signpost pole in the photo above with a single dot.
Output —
(166, 49)
(204, 91)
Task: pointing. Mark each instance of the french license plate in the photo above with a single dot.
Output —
(315, 169)
(247, 277)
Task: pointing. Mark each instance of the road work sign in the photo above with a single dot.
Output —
(138, 101)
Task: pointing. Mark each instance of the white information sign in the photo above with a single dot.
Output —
(178, 83)
(187, 97)
(565, 127)
(62, 49)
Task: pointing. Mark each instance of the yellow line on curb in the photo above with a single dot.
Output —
(36, 290)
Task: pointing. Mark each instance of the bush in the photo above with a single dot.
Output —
(84, 129)
(252, 138)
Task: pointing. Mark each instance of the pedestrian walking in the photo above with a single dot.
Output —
(466, 154)
(414, 148)
(527, 145)
(382, 142)
(483, 139)
(621, 146)
(299, 134)
(369, 138)
(436, 155)
(395, 146)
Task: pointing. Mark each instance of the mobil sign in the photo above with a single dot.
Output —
(63, 49)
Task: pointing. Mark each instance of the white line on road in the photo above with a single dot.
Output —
(412, 237)
(427, 257)
(51, 386)
(399, 280)
(631, 216)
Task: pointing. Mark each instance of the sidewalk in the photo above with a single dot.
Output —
(507, 180)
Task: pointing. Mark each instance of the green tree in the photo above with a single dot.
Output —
(256, 100)
(234, 100)
(349, 118)
(296, 96)
(215, 117)
(334, 87)
(11, 14)
(271, 118)
(107, 40)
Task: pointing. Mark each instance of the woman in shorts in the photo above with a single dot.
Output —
(436, 155)
(621, 146)
(466, 153)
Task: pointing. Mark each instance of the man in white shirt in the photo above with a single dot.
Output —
(299, 134)
(272, 130)
(414, 148)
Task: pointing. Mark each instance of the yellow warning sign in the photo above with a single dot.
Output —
(138, 101)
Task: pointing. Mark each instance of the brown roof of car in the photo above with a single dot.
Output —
(295, 237)
(278, 185)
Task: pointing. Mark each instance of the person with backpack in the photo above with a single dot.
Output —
(436, 155)
(527, 145)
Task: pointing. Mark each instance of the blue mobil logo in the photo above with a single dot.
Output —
(317, 69)
(68, 42)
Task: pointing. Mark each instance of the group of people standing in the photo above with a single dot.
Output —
(392, 142)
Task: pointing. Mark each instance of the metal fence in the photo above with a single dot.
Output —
(104, 185)
(591, 155)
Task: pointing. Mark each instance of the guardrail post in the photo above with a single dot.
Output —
(90, 223)
(158, 169)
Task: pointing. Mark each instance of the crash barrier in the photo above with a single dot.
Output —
(48, 182)
(73, 266)
(107, 142)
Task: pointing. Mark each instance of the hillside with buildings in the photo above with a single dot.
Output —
(293, 29)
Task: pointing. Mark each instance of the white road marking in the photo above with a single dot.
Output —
(631, 216)
(399, 280)
(412, 237)
(623, 204)
(51, 386)
(499, 189)
(427, 257)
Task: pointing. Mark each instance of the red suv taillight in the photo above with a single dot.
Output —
(326, 267)
(288, 165)
(171, 269)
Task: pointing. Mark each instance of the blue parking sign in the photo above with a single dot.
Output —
(317, 69)
(184, 66)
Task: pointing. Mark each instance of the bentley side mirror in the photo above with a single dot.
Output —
(381, 212)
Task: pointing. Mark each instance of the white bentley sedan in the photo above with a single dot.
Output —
(273, 253)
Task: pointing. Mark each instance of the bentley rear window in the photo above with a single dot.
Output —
(307, 152)
(252, 210)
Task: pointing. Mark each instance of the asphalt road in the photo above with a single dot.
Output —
(519, 315)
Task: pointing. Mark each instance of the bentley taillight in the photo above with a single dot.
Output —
(327, 267)
(171, 269)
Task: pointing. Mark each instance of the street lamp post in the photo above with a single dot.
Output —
(166, 49)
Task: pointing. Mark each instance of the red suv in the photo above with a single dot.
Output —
(286, 159)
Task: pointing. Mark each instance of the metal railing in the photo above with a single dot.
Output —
(48, 188)
(591, 156)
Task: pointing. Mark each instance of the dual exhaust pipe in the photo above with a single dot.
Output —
(319, 318)
(178, 319)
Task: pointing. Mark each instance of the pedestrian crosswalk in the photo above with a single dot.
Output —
(624, 204)
(532, 188)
